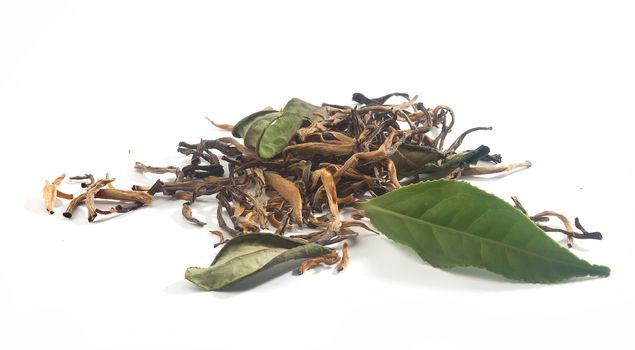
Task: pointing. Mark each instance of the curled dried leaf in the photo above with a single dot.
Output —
(90, 197)
(155, 170)
(331, 194)
(89, 177)
(124, 195)
(289, 191)
(50, 193)
(220, 236)
(227, 127)
(328, 259)
(473, 171)
(63, 195)
(248, 254)
(187, 214)
(344, 262)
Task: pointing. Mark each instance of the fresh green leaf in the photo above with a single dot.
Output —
(268, 132)
(452, 223)
(248, 254)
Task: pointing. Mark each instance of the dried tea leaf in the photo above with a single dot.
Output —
(250, 253)
(345, 257)
(331, 194)
(124, 195)
(50, 192)
(328, 259)
(452, 223)
(289, 191)
(227, 127)
(186, 211)
(90, 197)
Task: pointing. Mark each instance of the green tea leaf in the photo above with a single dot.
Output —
(410, 158)
(257, 128)
(452, 223)
(277, 135)
(268, 132)
(240, 129)
(248, 254)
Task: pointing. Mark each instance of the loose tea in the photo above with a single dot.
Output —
(301, 166)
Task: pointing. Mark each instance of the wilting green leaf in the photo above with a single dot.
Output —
(248, 254)
(240, 129)
(256, 130)
(452, 223)
(411, 160)
(268, 132)
(277, 135)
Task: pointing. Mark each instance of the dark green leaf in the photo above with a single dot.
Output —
(268, 132)
(452, 223)
(409, 158)
(248, 254)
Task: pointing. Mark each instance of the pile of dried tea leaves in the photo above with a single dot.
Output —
(301, 166)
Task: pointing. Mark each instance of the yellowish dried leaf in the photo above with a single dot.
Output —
(344, 261)
(50, 193)
(289, 191)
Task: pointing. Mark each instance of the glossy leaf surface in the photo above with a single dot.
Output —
(452, 223)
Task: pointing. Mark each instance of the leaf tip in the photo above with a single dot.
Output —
(602, 271)
(191, 274)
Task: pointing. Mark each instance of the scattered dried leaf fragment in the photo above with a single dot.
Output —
(50, 193)
(220, 236)
(187, 214)
(344, 262)
(328, 259)
(227, 127)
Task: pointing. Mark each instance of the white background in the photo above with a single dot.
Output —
(93, 87)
